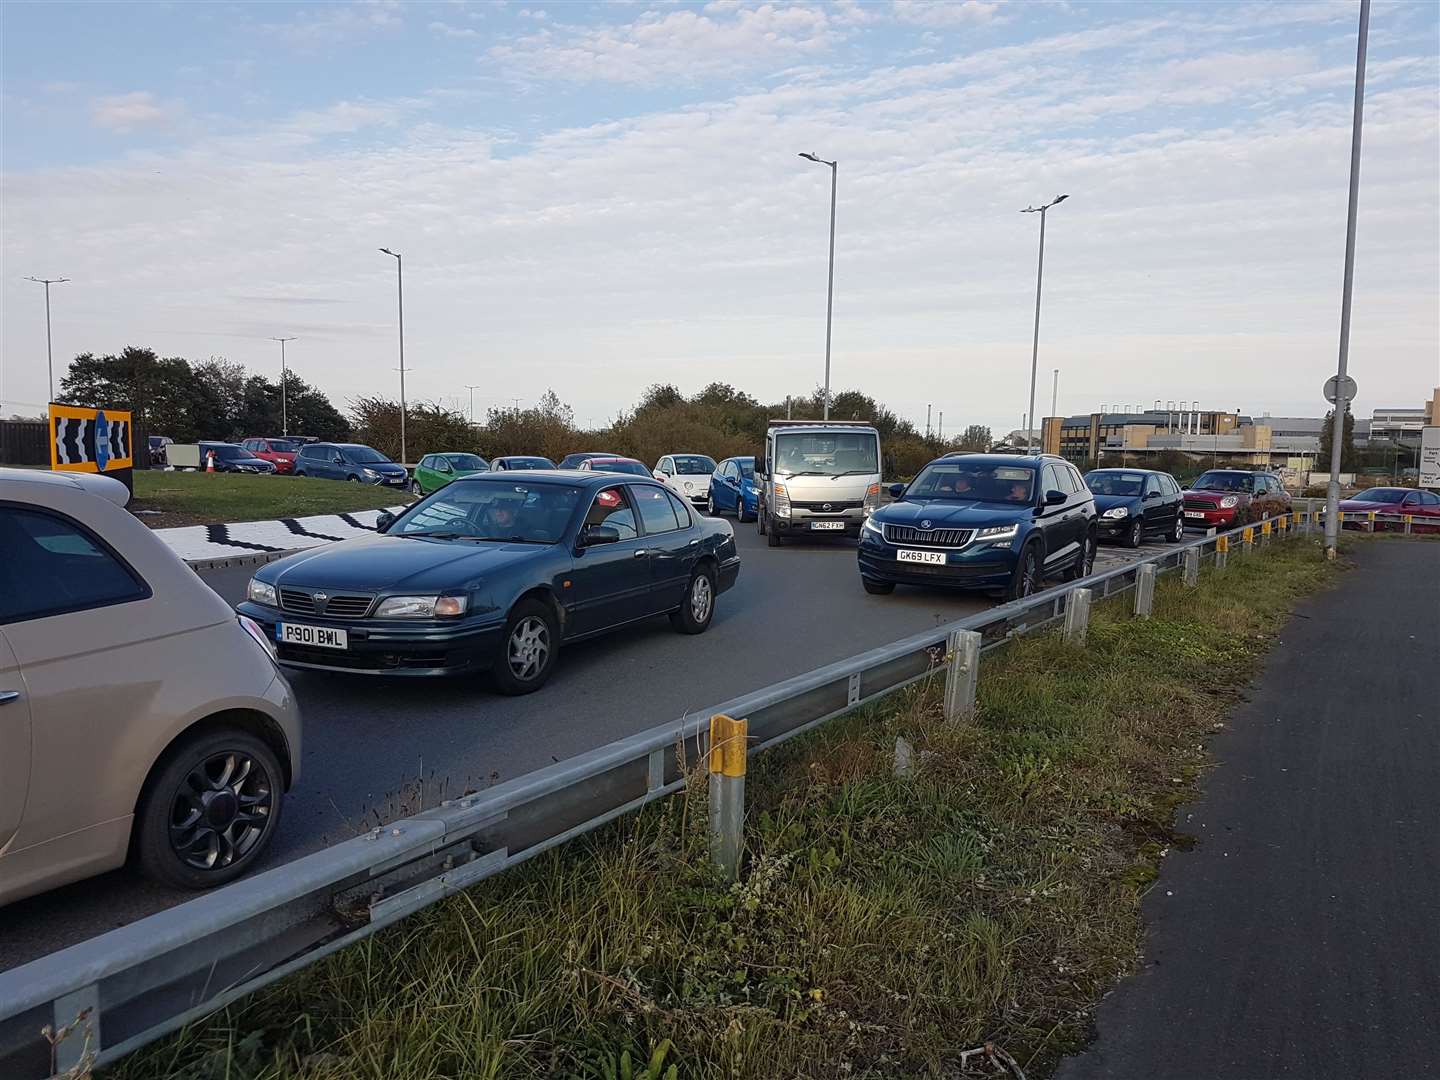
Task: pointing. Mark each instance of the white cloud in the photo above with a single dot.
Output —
(683, 45)
(447, 30)
(945, 13)
(124, 113)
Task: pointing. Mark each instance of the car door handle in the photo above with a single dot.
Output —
(7, 696)
(695, 541)
(641, 553)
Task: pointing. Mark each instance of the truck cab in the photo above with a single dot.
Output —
(817, 478)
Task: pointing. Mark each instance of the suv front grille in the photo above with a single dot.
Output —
(906, 534)
(344, 606)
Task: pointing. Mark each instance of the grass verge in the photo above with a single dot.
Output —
(882, 925)
(211, 498)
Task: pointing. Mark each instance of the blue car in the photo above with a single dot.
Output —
(494, 573)
(732, 489)
(349, 461)
(982, 521)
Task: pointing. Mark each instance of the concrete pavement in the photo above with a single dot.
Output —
(1301, 937)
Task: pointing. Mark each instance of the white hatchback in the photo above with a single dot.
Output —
(688, 475)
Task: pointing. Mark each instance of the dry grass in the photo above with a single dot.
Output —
(881, 926)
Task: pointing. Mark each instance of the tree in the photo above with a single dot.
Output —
(429, 428)
(160, 394)
(1347, 441)
(974, 437)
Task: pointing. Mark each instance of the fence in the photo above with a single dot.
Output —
(24, 442)
(130, 986)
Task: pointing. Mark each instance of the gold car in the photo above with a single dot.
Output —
(139, 720)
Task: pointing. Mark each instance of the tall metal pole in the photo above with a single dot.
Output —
(1035, 343)
(1055, 394)
(830, 280)
(1337, 425)
(284, 405)
(472, 390)
(400, 308)
(49, 354)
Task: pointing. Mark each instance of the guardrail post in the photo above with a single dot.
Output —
(1265, 530)
(1408, 519)
(1283, 523)
(1077, 616)
(1144, 589)
(1222, 552)
(1247, 539)
(1191, 572)
(904, 758)
(961, 674)
(1370, 520)
(727, 793)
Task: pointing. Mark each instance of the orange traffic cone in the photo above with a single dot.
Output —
(210, 461)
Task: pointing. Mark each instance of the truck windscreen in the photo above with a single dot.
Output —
(819, 453)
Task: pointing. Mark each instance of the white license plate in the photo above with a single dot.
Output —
(320, 637)
(936, 557)
(839, 525)
(1195, 513)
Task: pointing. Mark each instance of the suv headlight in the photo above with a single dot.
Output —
(999, 532)
(371, 473)
(874, 526)
(261, 592)
(1229, 501)
(420, 607)
(1117, 512)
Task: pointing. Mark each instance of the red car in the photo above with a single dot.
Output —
(1423, 506)
(279, 452)
(1224, 498)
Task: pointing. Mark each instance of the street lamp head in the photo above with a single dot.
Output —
(809, 157)
(1060, 199)
(392, 254)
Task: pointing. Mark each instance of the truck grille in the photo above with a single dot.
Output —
(343, 606)
(834, 506)
(906, 534)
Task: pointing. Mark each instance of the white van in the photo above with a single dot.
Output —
(817, 478)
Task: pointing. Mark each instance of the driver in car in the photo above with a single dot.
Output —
(1019, 491)
(500, 517)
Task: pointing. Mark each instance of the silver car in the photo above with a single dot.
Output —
(139, 720)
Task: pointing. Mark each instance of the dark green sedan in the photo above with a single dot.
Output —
(437, 470)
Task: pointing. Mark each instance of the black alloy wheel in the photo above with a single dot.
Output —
(1025, 581)
(209, 810)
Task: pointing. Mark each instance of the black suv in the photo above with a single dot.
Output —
(982, 521)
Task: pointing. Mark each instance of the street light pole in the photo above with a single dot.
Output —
(1035, 344)
(1055, 394)
(472, 390)
(1342, 403)
(400, 307)
(830, 281)
(49, 355)
(284, 406)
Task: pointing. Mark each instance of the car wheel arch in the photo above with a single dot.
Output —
(546, 596)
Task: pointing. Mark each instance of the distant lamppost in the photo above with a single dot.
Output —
(472, 390)
(830, 281)
(49, 356)
(400, 307)
(1035, 345)
(284, 407)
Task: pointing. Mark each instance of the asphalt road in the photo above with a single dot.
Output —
(1301, 936)
(376, 749)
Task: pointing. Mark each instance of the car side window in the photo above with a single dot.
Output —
(1051, 480)
(655, 509)
(424, 462)
(52, 566)
(1429, 498)
(612, 508)
(1152, 485)
(682, 512)
(1077, 482)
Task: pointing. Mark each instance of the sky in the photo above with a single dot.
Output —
(597, 197)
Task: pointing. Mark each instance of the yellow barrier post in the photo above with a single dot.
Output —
(1408, 519)
(1265, 531)
(1283, 524)
(1222, 552)
(727, 792)
(1371, 517)
(1247, 540)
